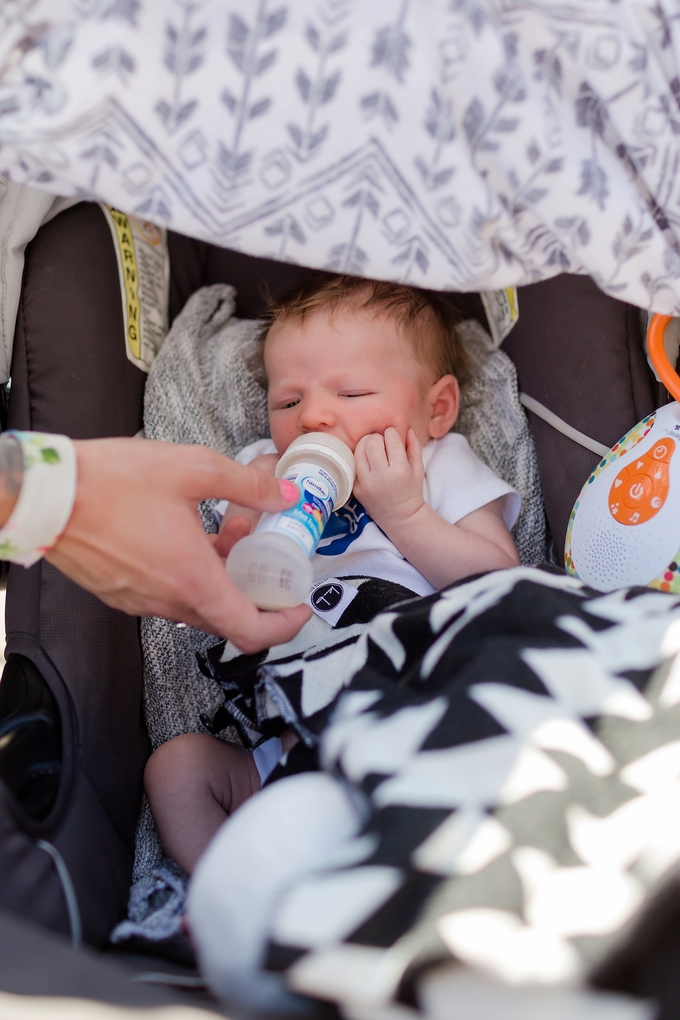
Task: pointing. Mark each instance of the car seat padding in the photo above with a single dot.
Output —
(70, 374)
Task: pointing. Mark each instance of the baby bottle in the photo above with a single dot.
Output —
(272, 566)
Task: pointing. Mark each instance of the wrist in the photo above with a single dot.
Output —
(7, 504)
(38, 476)
(11, 475)
(400, 523)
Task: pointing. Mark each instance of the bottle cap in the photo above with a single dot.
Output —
(336, 454)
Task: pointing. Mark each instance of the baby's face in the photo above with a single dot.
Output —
(348, 374)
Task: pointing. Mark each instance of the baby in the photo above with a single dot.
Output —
(376, 365)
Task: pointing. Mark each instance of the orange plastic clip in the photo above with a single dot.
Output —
(658, 357)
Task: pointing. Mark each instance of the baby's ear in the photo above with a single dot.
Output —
(444, 401)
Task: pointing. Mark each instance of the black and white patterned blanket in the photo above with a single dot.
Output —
(513, 746)
(268, 691)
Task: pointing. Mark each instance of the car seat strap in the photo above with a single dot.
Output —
(69, 892)
(562, 426)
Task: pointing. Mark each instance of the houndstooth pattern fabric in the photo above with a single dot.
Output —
(204, 388)
(514, 744)
(295, 682)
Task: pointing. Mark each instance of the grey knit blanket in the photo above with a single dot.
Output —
(205, 388)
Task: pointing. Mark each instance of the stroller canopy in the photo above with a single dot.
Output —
(462, 146)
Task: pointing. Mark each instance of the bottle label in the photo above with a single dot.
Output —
(305, 521)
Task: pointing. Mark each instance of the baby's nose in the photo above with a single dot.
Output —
(316, 415)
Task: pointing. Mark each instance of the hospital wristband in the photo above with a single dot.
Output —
(45, 502)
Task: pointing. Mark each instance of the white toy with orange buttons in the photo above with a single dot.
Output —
(625, 526)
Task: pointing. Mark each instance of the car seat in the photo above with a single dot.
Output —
(71, 692)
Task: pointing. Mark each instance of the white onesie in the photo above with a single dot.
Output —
(456, 483)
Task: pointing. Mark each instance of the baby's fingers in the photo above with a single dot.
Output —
(394, 448)
(361, 465)
(373, 451)
(414, 452)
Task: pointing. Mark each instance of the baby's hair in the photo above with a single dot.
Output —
(427, 318)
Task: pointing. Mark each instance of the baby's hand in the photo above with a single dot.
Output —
(389, 479)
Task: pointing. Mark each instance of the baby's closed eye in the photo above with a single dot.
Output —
(284, 405)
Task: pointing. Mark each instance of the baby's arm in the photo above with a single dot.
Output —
(389, 483)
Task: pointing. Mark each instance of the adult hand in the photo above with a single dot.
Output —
(135, 538)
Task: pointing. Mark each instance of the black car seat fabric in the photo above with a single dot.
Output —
(70, 374)
(580, 354)
(195, 264)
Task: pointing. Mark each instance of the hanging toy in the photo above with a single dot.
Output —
(625, 526)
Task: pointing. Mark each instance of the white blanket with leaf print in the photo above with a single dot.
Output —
(454, 144)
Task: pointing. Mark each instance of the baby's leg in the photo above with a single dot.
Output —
(193, 783)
